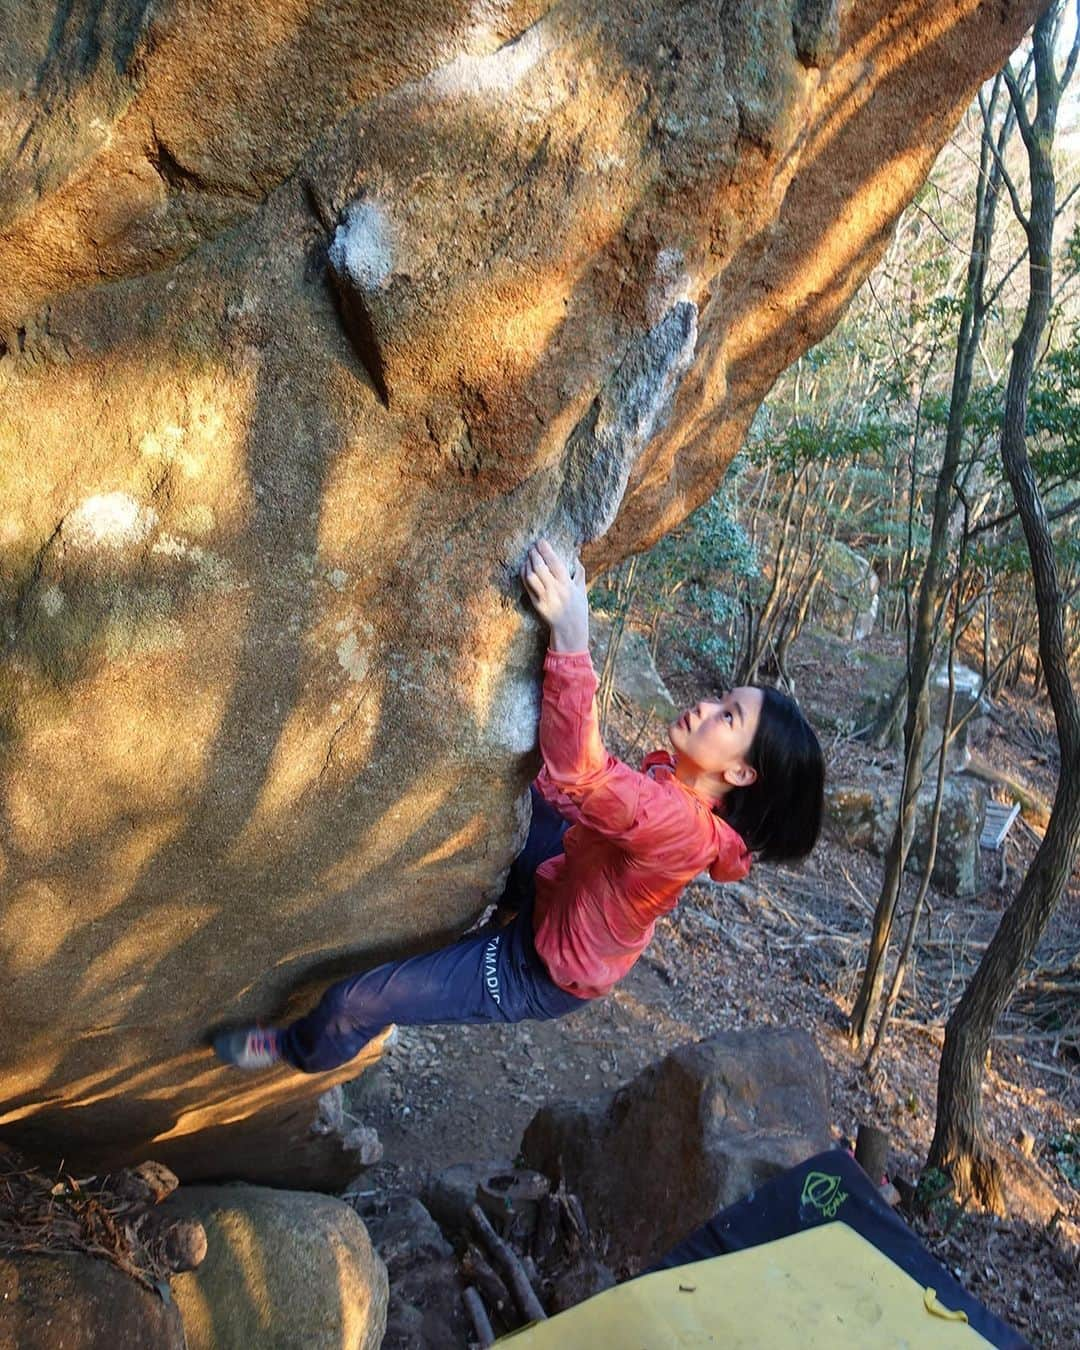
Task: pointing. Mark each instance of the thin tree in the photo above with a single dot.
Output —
(934, 576)
(935, 825)
(960, 1145)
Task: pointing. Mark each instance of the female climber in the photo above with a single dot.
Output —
(610, 849)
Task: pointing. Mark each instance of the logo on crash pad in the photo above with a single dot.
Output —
(823, 1192)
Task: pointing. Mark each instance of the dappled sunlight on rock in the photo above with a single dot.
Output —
(131, 960)
(388, 837)
(245, 1252)
(139, 737)
(319, 748)
(281, 1268)
(825, 268)
(464, 839)
(312, 317)
(35, 922)
(113, 202)
(899, 37)
(503, 696)
(187, 419)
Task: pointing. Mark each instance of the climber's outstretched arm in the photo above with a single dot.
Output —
(578, 773)
(558, 595)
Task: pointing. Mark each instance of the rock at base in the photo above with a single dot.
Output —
(425, 1310)
(690, 1134)
(863, 815)
(449, 1193)
(283, 1269)
(80, 1303)
(636, 676)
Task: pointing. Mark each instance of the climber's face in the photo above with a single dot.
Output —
(713, 738)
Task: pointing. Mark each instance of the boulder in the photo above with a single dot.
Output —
(356, 1139)
(449, 1194)
(855, 816)
(970, 707)
(312, 316)
(283, 1269)
(402, 1231)
(863, 815)
(956, 862)
(848, 598)
(690, 1134)
(54, 1300)
(425, 1311)
(968, 711)
(636, 676)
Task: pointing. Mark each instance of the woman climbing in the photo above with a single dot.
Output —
(610, 850)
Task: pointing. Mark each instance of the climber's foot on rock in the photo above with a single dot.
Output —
(249, 1047)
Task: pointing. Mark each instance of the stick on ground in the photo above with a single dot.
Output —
(511, 1267)
(474, 1306)
(872, 1152)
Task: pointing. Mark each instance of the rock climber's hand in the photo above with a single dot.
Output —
(558, 596)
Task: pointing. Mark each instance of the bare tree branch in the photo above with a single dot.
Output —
(999, 159)
(1007, 516)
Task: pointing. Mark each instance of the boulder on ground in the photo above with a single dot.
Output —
(863, 815)
(969, 715)
(968, 720)
(848, 601)
(956, 862)
(636, 676)
(854, 815)
(283, 1269)
(65, 1299)
(449, 1193)
(401, 1229)
(425, 1311)
(690, 1134)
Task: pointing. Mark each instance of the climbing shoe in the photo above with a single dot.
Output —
(250, 1047)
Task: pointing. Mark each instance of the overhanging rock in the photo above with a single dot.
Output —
(312, 315)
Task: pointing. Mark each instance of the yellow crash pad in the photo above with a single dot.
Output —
(823, 1289)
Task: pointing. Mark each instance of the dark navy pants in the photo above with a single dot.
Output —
(493, 975)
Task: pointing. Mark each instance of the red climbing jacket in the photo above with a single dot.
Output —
(636, 840)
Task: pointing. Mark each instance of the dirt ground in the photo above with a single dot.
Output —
(786, 948)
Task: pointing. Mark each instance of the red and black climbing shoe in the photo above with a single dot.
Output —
(250, 1047)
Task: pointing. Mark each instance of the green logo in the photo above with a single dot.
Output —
(823, 1192)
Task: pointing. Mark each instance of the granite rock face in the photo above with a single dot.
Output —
(312, 315)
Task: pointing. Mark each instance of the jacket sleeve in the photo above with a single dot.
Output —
(604, 793)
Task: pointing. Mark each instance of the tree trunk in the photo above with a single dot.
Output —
(960, 1144)
(921, 655)
(932, 844)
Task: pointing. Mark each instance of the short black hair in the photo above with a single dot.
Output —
(779, 814)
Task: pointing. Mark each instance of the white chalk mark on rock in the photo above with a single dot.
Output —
(363, 246)
(111, 520)
(352, 658)
(52, 600)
